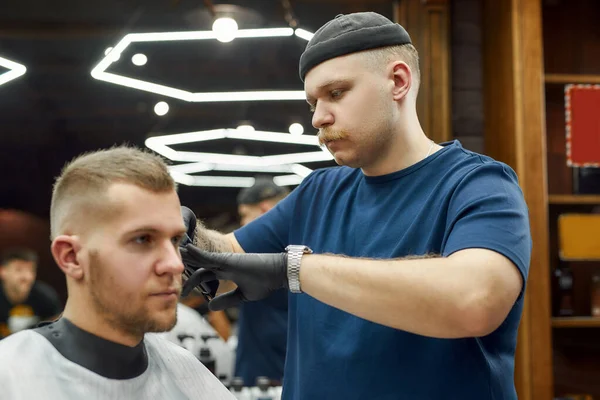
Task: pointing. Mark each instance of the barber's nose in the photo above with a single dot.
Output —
(322, 117)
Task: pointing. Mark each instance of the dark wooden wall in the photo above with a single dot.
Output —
(466, 74)
(514, 134)
(571, 46)
(571, 35)
(428, 23)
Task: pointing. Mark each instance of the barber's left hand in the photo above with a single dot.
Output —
(256, 275)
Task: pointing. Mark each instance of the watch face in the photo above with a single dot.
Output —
(304, 249)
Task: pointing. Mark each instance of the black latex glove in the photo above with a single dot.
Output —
(189, 220)
(207, 289)
(256, 275)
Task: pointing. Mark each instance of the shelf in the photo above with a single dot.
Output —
(573, 199)
(570, 78)
(576, 322)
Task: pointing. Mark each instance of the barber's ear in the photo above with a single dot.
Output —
(403, 80)
(65, 249)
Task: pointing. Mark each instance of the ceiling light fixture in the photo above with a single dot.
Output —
(287, 180)
(161, 108)
(199, 162)
(201, 136)
(303, 34)
(225, 29)
(221, 181)
(296, 129)
(245, 128)
(181, 174)
(195, 167)
(113, 55)
(15, 70)
(139, 59)
(232, 181)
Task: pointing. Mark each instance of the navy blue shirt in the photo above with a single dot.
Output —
(452, 200)
(262, 337)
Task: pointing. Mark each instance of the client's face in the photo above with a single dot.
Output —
(134, 275)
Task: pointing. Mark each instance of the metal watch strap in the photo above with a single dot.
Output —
(294, 258)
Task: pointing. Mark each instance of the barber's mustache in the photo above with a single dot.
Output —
(327, 135)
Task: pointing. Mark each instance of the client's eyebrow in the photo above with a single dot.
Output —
(150, 229)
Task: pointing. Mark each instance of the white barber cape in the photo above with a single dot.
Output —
(33, 366)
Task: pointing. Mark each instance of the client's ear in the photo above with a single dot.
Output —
(64, 250)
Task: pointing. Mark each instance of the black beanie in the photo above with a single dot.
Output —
(351, 33)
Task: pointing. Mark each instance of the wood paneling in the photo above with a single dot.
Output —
(572, 37)
(576, 322)
(514, 133)
(572, 55)
(427, 22)
(572, 78)
(576, 355)
(560, 179)
(467, 70)
(574, 199)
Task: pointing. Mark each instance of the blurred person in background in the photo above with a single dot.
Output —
(24, 301)
(262, 325)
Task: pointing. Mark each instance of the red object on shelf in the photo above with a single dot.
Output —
(582, 118)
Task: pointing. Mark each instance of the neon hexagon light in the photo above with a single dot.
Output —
(287, 164)
(99, 71)
(15, 70)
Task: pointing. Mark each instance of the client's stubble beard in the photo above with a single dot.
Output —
(114, 308)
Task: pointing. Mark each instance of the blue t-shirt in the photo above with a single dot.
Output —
(452, 200)
(262, 337)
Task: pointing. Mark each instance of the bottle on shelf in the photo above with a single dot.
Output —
(187, 342)
(207, 359)
(238, 390)
(564, 277)
(278, 390)
(222, 354)
(263, 389)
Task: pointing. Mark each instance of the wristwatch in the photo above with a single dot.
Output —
(294, 257)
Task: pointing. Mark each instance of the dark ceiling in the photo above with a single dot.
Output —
(57, 110)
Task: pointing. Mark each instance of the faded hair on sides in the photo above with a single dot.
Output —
(405, 52)
(79, 192)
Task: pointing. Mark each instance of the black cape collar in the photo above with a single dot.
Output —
(108, 359)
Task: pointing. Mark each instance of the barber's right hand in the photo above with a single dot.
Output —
(189, 219)
(207, 289)
(256, 275)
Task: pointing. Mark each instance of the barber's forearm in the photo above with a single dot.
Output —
(426, 296)
(213, 241)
